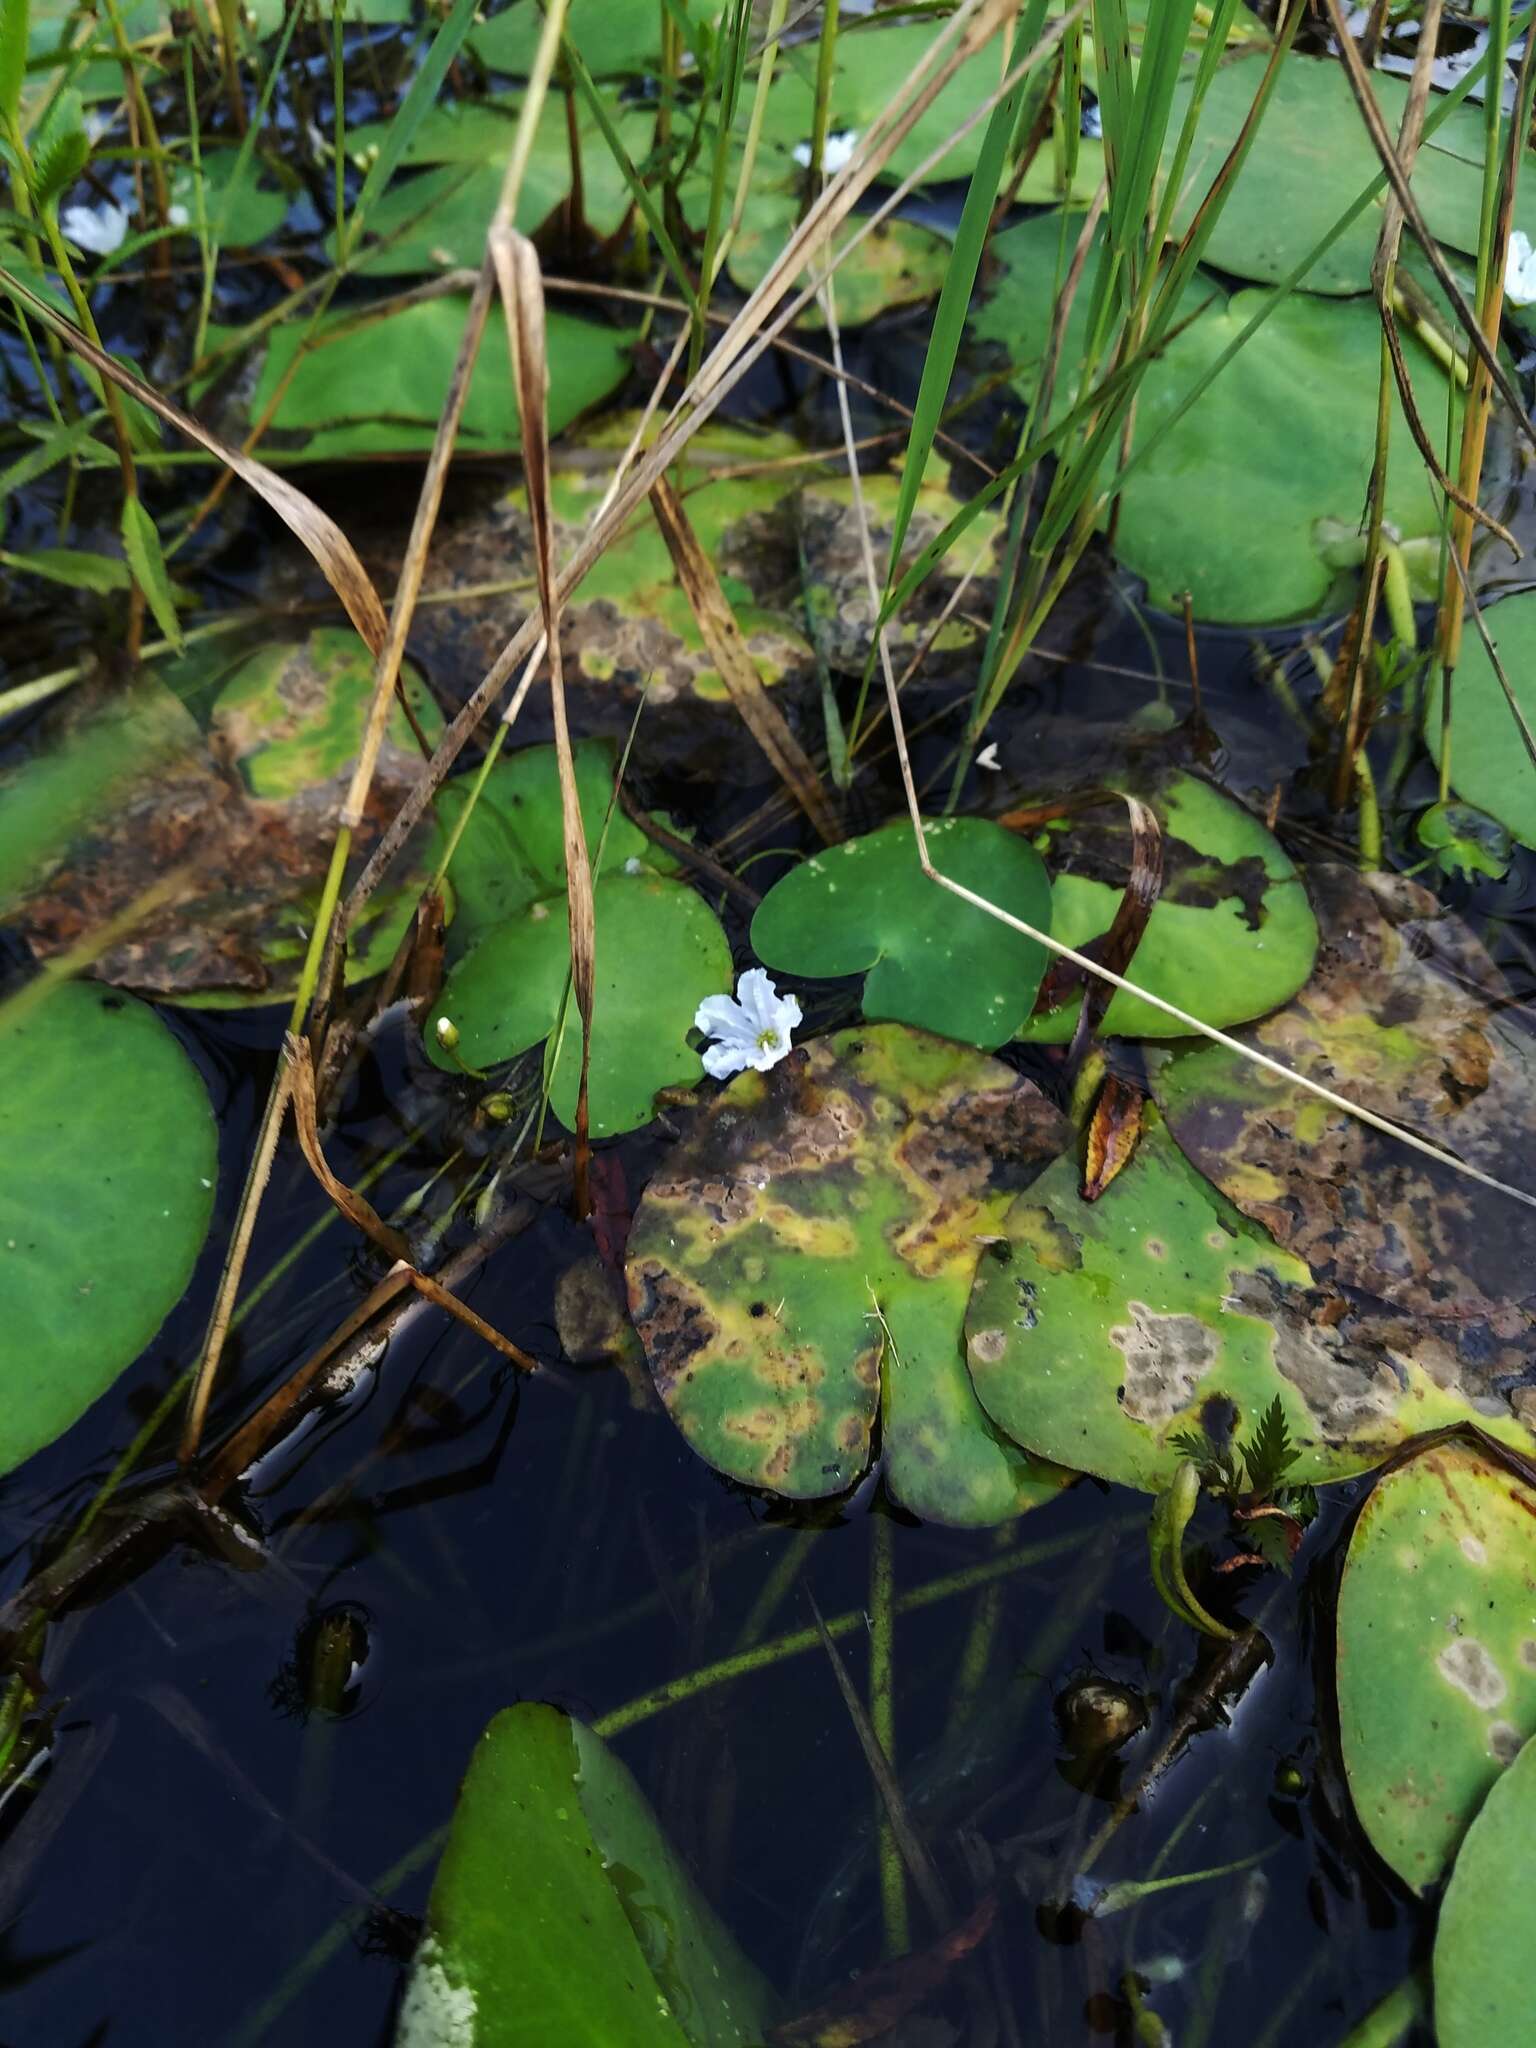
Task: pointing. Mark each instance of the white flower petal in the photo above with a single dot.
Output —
(721, 1061)
(1520, 271)
(97, 229)
(720, 1017)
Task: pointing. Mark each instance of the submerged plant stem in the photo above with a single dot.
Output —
(895, 1918)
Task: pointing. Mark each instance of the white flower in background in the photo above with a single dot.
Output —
(1092, 123)
(835, 151)
(1520, 271)
(753, 1027)
(99, 229)
(176, 216)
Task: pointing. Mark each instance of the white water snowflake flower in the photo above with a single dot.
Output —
(1520, 271)
(98, 229)
(753, 1027)
(835, 151)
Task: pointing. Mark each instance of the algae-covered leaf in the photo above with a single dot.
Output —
(802, 1261)
(1445, 1262)
(359, 386)
(931, 960)
(1311, 156)
(248, 809)
(1100, 1333)
(1234, 502)
(512, 849)
(660, 952)
(1436, 1651)
(108, 1156)
(1485, 1990)
(1491, 765)
(560, 1913)
(1231, 935)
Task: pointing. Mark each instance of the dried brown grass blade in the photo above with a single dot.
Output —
(333, 553)
(727, 645)
(356, 1208)
(522, 296)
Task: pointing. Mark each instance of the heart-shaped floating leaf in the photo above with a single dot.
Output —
(1491, 764)
(610, 1941)
(108, 1156)
(931, 960)
(1436, 1651)
(801, 1264)
(1446, 1262)
(375, 386)
(1101, 1332)
(1231, 935)
(1234, 502)
(1311, 156)
(660, 952)
(1485, 1990)
(438, 217)
(512, 849)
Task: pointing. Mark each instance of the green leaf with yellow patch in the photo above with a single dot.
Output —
(799, 1267)
(1436, 1654)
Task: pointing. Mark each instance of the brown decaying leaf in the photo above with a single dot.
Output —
(1113, 1131)
(727, 645)
(332, 551)
(880, 1998)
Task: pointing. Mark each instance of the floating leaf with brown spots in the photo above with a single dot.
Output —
(1231, 934)
(249, 806)
(1436, 1650)
(1402, 1016)
(798, 1270)
(1100, 1332)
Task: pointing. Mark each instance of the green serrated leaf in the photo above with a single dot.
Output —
(141, 544)
(1271, 1453)
(61, 149)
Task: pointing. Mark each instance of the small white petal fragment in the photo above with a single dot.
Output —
(987, 758)
(1520, 271)
(752, 1028)
(97, 229)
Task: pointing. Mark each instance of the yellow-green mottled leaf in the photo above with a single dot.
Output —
(1436, 1651)
(801, 1263)
(1485, 1989)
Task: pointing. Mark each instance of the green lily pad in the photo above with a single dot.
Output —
(1445, 1262)
(1436, 1651)
(1490, 765)
(800, 1265)
(1310, 158)
(1102, 1330)
(1484, 1989)
(249, 809)
(109, 1158)
(561, 1913)
(660, 952)
(437, 219)
(1231, 936)
(1236, 500)
(931, 960)
(512, 851)
(376, 387)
